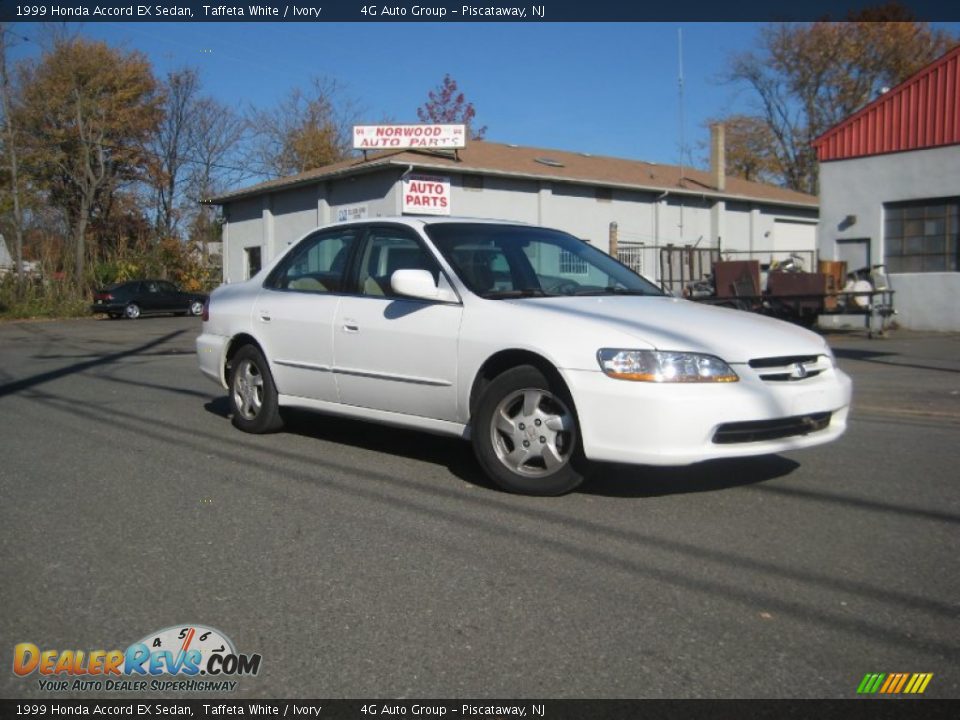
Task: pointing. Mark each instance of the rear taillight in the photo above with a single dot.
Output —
(205, 315)
(102, 296)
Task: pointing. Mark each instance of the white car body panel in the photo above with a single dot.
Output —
(414, 363)
(398, 355)
(296, 332)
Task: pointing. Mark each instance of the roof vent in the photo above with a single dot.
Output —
(549, 162)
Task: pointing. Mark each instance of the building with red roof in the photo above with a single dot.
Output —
(890, 193)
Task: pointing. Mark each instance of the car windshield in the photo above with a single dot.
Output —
(510, 261)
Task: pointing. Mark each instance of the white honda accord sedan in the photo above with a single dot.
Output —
(541, 350)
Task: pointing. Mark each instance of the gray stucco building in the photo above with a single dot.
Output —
(652, 205)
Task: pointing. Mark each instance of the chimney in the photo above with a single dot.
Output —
(718, 160)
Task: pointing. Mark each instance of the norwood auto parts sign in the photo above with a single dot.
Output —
(391, 137)
(426, 195)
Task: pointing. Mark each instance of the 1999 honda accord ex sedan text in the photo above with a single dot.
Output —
(543, 351)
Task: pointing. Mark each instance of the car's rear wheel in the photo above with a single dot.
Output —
(526, 435)
(196, 307)
(253, 395)
(132, 311)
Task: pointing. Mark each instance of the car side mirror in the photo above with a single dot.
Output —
(419, 284)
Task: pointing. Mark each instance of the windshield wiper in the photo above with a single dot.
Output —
(611, 291)
(507, 294)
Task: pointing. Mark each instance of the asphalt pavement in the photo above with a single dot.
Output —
(362, 561)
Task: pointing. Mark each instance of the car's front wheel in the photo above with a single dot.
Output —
(253, 395)
(526, 436)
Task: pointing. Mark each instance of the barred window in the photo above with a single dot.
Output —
(922, 236)
(571, 264)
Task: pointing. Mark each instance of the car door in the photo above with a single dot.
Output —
(294, 313)
(171, 298)
(150, 298)
(394, 353)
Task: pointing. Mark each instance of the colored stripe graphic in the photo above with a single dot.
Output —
(894, 683)
(870, 683)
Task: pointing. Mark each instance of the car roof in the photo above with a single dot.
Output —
(424, 220)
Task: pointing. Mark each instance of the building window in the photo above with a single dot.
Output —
(570, 264)
(473, 182)
(253, 261)
(604, 194)
(922, 236)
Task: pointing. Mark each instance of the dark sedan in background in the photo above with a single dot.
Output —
(134, 298)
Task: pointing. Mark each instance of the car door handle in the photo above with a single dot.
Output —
(351, 326)
(264, 316)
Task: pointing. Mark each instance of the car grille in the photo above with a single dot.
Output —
(759, 430)
(791, 368)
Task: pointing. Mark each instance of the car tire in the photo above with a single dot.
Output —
(253, 395)
(196, 308)
(526, 435)
(132, 311)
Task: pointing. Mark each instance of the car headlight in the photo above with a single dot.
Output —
(828, 353)
(664, 367)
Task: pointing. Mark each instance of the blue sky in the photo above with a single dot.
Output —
(608, 89)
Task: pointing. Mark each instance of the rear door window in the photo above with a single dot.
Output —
(317, 265)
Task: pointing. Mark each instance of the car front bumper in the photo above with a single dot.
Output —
(679, 424)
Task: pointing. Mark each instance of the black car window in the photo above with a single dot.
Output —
(501, 261)
(316, 265)
(152, 287)
(167, 287)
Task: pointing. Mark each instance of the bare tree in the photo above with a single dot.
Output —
(215, 136)
(170, 147)
(308, 129)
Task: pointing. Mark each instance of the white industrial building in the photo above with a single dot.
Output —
(890, 193)
(651, 205)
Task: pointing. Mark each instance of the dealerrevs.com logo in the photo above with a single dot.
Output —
(183, 658)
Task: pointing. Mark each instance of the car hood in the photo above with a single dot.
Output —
(668, 323)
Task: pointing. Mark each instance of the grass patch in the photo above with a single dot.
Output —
(40, 299)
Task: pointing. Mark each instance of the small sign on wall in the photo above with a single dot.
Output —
(351, 212)
(426, 195)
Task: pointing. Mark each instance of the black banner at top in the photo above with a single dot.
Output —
(452, 11)
(499, 709)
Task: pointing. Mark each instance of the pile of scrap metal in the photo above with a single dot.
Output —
(787, 291)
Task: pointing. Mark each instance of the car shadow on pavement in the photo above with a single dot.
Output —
(649, 481)
(609, 480)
